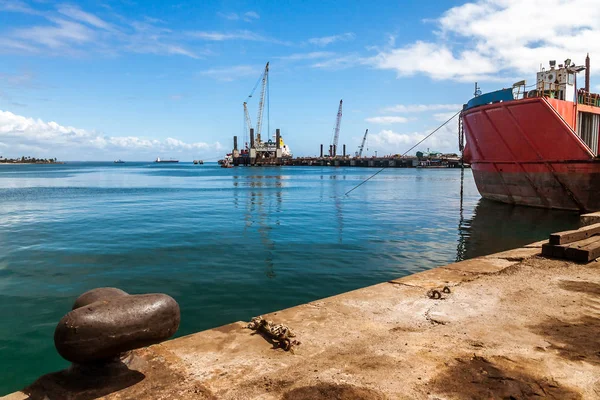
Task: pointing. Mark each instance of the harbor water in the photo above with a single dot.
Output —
(227, 244)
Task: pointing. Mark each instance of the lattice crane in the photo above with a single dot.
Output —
(247, 118)
(362, 145)
(336, 132)
(261, 103)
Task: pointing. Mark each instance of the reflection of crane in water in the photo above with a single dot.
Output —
(256, 213)
(337, 202)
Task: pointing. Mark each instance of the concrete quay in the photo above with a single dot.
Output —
(514, 325)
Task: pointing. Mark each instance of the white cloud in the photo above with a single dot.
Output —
(251, 16)
(444, 140)
(387, 120)
(73, 31)
(442, 117)
(21, 80)
(151, 39)
(326, 40)
(221, 36)
(497, 39)
(413, 108)
(391, 40)
(16, 6)
(308, 56)
(235, 35)
(337, 63)
(228, 74)
(13, 45)
(19, 133)
(392, 139)
(437, 61)
(79, 15)
(229, 16)
(62, 34)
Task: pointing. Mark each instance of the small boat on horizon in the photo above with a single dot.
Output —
(228, 159)
(119, 161)
(198, 162)
(170, 160)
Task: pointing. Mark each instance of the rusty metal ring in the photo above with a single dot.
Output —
(446, 289)
(434, 294)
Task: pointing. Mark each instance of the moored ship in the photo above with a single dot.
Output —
(539, 147)
(170, 160)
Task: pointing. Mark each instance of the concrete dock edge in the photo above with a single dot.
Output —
(511, 324)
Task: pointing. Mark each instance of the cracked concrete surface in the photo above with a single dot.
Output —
(515, 325)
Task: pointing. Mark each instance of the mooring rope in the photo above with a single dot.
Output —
(403, 154)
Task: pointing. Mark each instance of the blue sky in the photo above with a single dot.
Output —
(137, 80)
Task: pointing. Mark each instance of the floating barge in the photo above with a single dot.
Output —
(276, 153)
(365, 162)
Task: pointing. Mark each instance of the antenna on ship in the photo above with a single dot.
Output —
(477, 90)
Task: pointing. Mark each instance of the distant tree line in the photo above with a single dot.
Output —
(27, 160)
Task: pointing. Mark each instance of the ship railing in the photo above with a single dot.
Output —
(519, 90)
(545, 89)
(589, 99)
(522, 91)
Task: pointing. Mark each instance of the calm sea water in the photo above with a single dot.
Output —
(227, 244)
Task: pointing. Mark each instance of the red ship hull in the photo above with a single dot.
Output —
(526, 152)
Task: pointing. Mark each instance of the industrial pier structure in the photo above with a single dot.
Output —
(260, 152)
(273, 154)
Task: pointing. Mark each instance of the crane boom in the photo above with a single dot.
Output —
(261, 104)
(247, 117)
(336, 135)
(362, 145)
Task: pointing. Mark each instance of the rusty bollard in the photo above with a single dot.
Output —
(106, 323)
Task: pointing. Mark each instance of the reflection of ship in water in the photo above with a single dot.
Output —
(496, 227)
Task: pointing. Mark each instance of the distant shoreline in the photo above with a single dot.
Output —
(31, 163)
